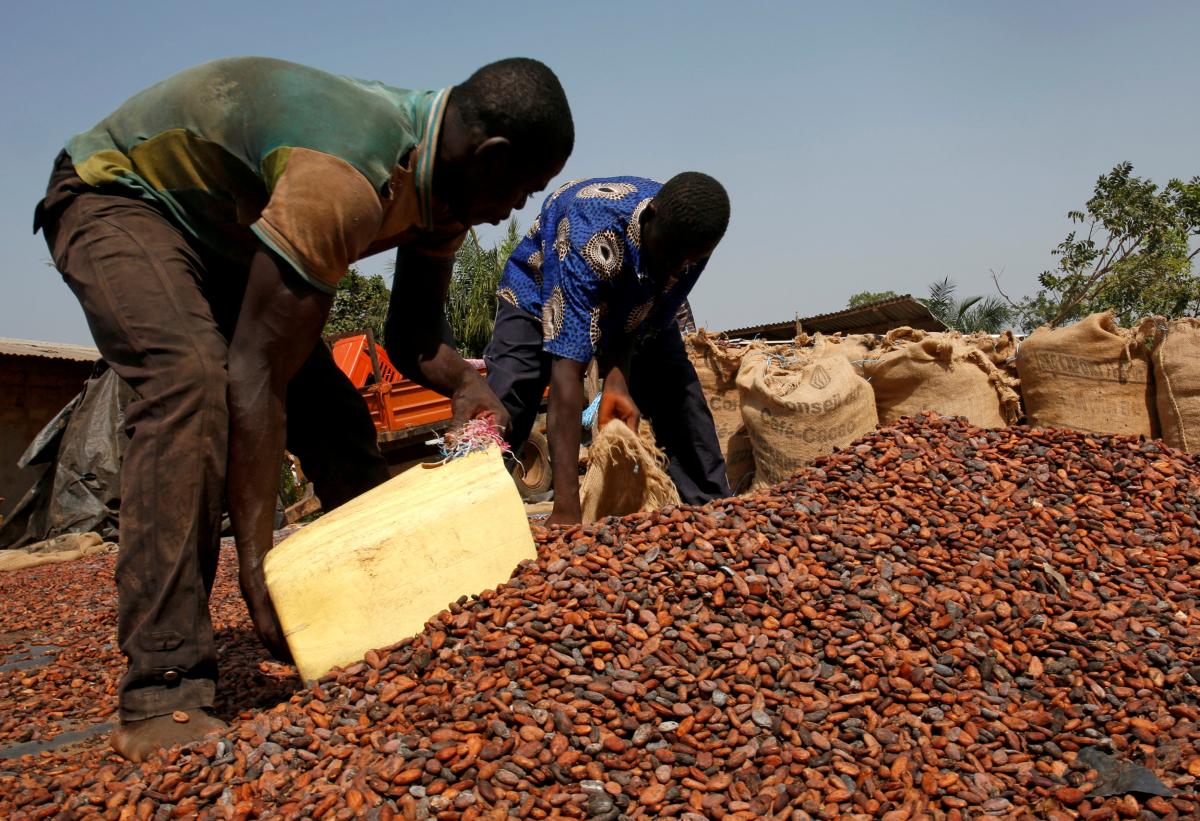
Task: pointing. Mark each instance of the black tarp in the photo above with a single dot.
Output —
(82, 447)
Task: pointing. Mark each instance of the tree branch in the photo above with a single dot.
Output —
(1101, 263)
(996, 282)
(1103, 267)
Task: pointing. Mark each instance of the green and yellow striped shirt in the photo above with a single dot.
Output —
(322, 169)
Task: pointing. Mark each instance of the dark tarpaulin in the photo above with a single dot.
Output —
(82, 446)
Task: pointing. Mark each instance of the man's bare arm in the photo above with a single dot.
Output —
(420, 344)
(280, 323)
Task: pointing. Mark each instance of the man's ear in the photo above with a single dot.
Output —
(647, 216)
(493, 150)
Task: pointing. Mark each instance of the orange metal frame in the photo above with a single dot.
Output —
(399, 407)
(361, 358)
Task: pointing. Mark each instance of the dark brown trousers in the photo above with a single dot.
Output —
(663, 384)
(162, 309)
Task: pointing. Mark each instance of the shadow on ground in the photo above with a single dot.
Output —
(250, 680)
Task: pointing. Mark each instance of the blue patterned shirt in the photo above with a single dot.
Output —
(579, 269)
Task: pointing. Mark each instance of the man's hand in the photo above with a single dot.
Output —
(262, 611)
(616, 403)
(475, 400)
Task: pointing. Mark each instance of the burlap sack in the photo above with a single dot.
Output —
(799, 404)
(626, 473)
(859, 349)
(1001, 349)
(1092, 376)
(716, 365)
(65, 548)
(943, 373)
(1177, 383)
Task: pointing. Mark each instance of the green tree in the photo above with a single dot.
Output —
(977, 313)
(471, 307)
(1133, 255)
(361, 302)
(867, 297)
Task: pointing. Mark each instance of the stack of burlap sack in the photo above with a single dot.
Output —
(1097, 376)
(779, 407)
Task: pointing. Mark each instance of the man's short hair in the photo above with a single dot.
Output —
(522, 100)
(693, 210)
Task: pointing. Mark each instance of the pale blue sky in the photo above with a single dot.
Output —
(864, 145)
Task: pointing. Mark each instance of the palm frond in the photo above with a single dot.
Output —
(973, 313)
(471, 305)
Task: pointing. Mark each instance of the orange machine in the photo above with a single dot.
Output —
(407, 415)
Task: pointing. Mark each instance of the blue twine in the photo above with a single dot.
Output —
(591, 411)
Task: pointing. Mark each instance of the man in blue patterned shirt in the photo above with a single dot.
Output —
(601, 274)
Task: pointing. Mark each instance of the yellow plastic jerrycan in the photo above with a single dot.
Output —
(372, 572)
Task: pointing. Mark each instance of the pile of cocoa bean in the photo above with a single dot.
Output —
(939, 621)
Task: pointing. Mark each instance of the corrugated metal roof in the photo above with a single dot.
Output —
(47, 350)
(874, 318)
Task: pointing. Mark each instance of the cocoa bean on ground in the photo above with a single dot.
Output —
(931, 623)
